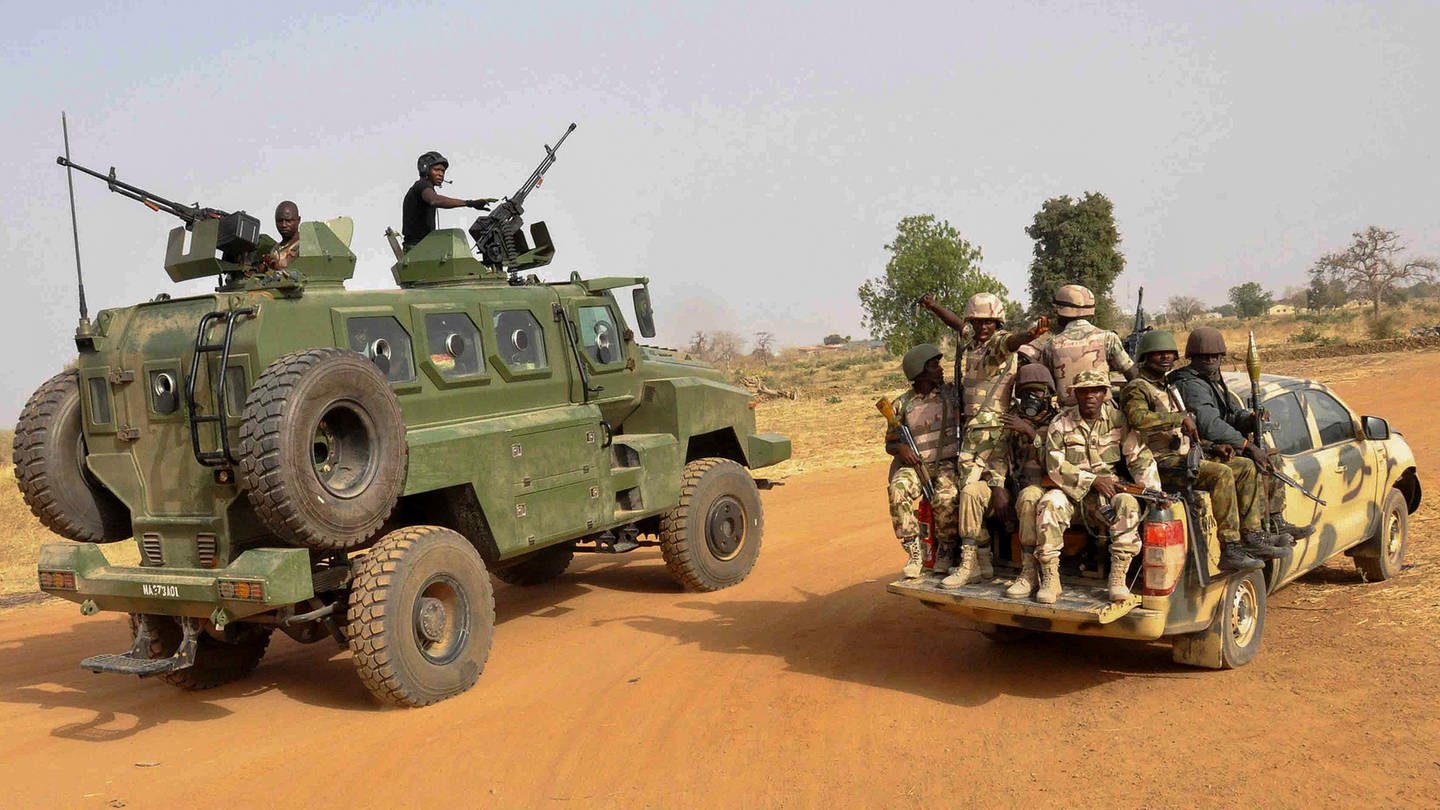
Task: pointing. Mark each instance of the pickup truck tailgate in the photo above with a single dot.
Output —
(1081, 601)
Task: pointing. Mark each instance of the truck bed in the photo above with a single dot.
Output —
(1081, 601)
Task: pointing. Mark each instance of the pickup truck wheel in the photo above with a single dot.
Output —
(710, 540)
(1004, 634)
(422, 615)
(1385, 552)
(49, 453)
(322, 449)
(1233, 637)
(221, 657)
(538, 567)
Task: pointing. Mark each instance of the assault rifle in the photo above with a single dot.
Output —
(888, 411)
(1259, 425)
(498, 236)
(1137, 329)
(239, 232)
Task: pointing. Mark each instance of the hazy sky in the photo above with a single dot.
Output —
(752, 159)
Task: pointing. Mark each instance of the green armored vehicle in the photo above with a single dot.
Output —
(292, 455)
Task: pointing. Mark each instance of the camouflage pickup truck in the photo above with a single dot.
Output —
(1362, 469)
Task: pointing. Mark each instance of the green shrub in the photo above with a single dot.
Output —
(1307, 335)
(833, 399)
(1386, 325)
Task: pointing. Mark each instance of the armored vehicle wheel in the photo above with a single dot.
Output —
(1388, 544)
(50, 468)
(1233, 638)
(541, 566)
(322, 449)
(711, 539)
(422, 614)
(220, 656)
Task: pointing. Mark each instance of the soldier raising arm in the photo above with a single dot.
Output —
(417, 212)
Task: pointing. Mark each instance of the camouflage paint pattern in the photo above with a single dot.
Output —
(931, 418)
(1080, 346)
(904, 492)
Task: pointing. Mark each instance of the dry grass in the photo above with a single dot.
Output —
(20, 543)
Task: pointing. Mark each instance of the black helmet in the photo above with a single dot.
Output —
(430, 159)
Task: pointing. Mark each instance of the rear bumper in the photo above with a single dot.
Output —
(282, 574)
(765, 449)
(1083, 608)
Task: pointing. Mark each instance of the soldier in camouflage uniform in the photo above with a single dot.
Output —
(985, 367)
(1222, 423)
(1157, 412)
(1082, 448)
(1025, 429)
(1079, 345)
(931, 410)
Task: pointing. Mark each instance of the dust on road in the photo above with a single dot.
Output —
(806, 685)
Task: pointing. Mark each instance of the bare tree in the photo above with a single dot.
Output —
(764, 346)
(724, 347)
(699, 344)
(1184, 308)
(1372, 266)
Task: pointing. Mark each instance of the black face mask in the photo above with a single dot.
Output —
(1034, 405)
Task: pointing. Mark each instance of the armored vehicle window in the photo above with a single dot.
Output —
(1288, 428)
(454, 344)
(384, 341)
(1331, 417)
(520, 340)
(598, 335)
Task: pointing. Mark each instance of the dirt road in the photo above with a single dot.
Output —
(805, 686)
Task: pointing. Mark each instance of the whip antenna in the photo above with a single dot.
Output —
(74, 229)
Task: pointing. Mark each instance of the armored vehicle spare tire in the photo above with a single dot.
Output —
(538, 567)
(322, 449)
(711, 539)
(422, 615)
(50, 468)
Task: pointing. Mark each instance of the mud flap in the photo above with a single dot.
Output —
(1080, 602)
(138, 661)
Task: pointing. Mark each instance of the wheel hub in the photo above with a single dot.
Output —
(342, 450)
(725, 527)
(433, 619)
(1243, 613)
(441, 617)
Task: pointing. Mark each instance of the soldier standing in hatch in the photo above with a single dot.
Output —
(1025, 428)
(1225, 425)
(1082, 450)
(287, 224)
(1079, 345)
(417, 213)
(985, 369)
(929, 409)
(1157, 412)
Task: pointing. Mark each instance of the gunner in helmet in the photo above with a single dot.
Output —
(422, 200)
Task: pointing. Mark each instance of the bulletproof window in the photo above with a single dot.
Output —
(1332, 418)
(1288, 428)
(453, 342)
(520, 341)
(598, 336)
(385, 343)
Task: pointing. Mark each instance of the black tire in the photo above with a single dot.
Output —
(221, 657)
(322, 449)
(422, 616)
(1005, 634)
(1388, 544)
(538, 567)
(1233, 637)
(711, 539)
(50, 468)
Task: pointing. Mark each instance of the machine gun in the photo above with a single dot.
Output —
(1137, 329)
(498, 236)
(239, 232)
(1259, 425)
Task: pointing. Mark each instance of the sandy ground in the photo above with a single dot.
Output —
(805, 686)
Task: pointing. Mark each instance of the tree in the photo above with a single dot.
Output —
(1184, 309)
(926, 256)
(836, 340)
(1225, 310)
(1372, 266)
(1076, 242)
(1251, 300)
(1325, 293)
(724, 347)
(699, 344)
(764, 347)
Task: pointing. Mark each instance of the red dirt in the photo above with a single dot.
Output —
(807, 685)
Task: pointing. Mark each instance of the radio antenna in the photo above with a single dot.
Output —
(84, 327)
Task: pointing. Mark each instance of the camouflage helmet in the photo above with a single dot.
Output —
(1034, 374)
(913, 364)
(1090, 378)
(431, 158)
(986, 306)
(1074, 301)
(1205, 340)
(1156, 340)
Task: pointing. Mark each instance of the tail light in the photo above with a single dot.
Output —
(926, 517)
(1164, 556)
(247, 590)
(57, 580)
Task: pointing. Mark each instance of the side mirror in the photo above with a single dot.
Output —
(1376, 429)
(644, 315)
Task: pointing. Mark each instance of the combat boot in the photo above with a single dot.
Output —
(1234, 559)
(1049, 582)
(1119, 567)
(984, 570)
(964, 573)
(1024, 585)
(944, 554)
(1284, 526)
(1257, 545)
(914, 567)
(1281, 540)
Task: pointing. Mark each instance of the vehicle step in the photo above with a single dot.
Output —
(1080, 599)
(124, 664)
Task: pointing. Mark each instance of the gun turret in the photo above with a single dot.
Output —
(499, 238)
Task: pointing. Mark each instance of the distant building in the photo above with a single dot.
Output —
(1209, 316)
(1281, 309)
